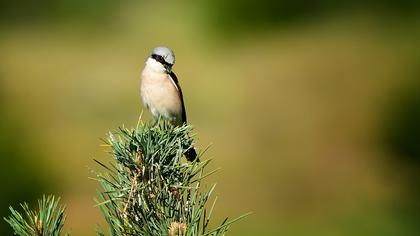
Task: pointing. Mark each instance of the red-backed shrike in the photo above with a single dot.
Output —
(160, 90)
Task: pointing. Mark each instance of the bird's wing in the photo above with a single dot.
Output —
(174, 79)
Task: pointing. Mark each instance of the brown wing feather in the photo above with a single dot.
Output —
(175, 79)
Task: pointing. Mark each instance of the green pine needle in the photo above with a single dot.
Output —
(48, 220)
(150, 189)
(147, 189)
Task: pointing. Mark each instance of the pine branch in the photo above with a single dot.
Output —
(47, 221)
(147, 189)
(150, 190)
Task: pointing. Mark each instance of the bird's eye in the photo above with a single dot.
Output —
(161, 60)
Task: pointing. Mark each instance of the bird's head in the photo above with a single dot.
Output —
(164, 56)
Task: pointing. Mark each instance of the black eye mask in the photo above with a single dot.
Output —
(160, 59)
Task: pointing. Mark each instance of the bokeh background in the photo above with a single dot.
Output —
(312, 108)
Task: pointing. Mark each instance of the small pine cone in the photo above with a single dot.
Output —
(139, 158)
(174, 191)
(177, 229)
(40, 228)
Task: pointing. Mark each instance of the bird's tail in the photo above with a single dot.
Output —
(191, 154)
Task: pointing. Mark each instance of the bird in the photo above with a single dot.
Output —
(161, 93)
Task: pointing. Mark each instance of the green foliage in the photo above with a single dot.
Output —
(48, 220)
(149, 190)
(247, 16)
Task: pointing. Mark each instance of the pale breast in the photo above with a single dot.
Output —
(160, 95)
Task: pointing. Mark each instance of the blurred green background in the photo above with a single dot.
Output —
(312, 108)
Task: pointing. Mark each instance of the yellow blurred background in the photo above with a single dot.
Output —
(312, 108)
